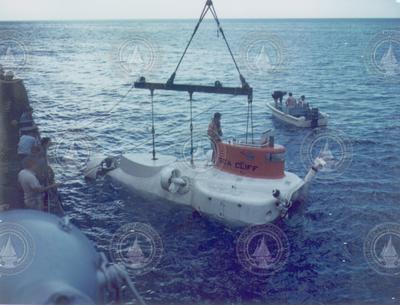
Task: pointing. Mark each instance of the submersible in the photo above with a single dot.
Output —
(246, 183)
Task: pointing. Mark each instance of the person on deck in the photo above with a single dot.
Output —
(215, 133)
(45, 144)
(44, 172)
(26, 119)
(33, 190)
(9, 76)
(27, 141)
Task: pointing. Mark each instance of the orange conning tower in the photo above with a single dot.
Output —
(251, 161)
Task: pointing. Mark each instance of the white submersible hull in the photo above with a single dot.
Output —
(207, 189)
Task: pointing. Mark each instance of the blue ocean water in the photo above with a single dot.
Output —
(83, 99)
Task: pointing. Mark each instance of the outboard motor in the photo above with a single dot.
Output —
(314, 117)
(46, 260)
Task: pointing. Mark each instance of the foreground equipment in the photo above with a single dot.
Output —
(47, 260)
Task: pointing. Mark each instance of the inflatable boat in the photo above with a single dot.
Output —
(299, 116)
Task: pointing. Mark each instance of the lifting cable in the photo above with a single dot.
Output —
(191, 129)
(209, 6)
(214, 13)
(247, 125)
(251, 123)
(170, 130)
(153, 130)
(203, 14)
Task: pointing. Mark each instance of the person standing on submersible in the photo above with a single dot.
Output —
(215, 133)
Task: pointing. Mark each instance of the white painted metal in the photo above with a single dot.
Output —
(231, 198)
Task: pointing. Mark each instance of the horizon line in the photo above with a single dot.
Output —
(227, 18)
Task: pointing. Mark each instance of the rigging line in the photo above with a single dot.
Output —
(203, 14)
(135, 291)
(195, 117)
(191, 129)
(247, 125)
(242, 79)
(108, 112)
(252, 124)
(170, 130)
(153, 130)
(214, 13)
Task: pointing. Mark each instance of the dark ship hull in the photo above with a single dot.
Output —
(13, 100)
